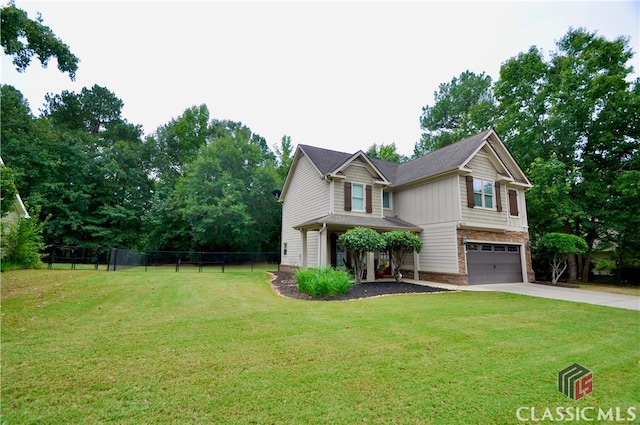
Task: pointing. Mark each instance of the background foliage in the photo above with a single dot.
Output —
(571, 119)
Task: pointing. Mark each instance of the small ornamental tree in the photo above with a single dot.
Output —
(399, 243)
(358, 241)
(559, 246)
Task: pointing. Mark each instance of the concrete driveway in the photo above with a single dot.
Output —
(629, 302)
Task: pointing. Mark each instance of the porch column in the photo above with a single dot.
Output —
(323, 247)
(371, 273)
(416, 265)
(304, 248)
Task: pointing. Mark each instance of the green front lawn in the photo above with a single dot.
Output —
(156, 348)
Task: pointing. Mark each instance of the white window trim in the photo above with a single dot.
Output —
(493, 194)
(364, 197)
(390, 207)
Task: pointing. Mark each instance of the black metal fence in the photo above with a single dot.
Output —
(76, 257)
(191, 260)
(114, 259)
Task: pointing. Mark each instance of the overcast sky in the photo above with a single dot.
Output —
(336, 75)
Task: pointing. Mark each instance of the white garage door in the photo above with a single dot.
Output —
(493, 263)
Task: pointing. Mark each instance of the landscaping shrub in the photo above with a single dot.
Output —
(22, 244)
(323, 282)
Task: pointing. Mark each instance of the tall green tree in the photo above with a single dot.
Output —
(24, 38)
(228, 192)
(386, 152)
(17, 134)
(463, 107)
(284, 157)
(8, 190)
(97, 186)
(178, 142)
(581, 108)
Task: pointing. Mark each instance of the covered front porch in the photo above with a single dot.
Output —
(328, 253)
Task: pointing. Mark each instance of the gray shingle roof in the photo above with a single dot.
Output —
(445, 159)
(384, 223)
(324, 159)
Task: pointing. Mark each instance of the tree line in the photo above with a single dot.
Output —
(195, 184)
(571, 120)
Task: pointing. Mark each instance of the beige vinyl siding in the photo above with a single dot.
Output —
(517, 222)
(482, 168)
(307, 198)
(357, 173)
(431, 203)
(440, 250)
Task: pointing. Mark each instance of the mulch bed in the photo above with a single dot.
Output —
(285, 285)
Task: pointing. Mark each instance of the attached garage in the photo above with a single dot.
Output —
(493, 263)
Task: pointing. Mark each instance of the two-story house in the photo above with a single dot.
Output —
(465, 201)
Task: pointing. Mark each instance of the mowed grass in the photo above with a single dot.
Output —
(89, 347)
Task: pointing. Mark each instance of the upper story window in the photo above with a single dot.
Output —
(480, 193)
(386, 200)
(357, 197)
(483, 193)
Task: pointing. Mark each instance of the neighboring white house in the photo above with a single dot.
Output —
(19, 211)
(466, 201)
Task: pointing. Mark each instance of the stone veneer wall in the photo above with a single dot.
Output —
(508, 237)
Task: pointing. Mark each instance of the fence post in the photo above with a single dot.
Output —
(97, 265)
(115, 258)
(74, 256)
(224, 257)
(177, 261)
(53, 250)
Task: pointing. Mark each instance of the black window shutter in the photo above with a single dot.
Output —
(369, 198)
(513, 202)
(347, 196)
(498, 197)
(470, 202)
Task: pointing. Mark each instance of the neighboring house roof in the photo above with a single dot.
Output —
(21, 210)
(449, 158)
(384, 223)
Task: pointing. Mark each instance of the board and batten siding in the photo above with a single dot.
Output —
(357, 173)
(484, 169)
(435, 202)
(518, 222)
(307, 198)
